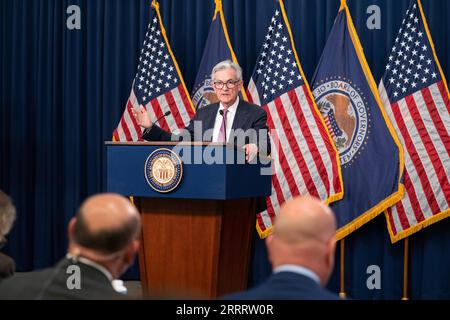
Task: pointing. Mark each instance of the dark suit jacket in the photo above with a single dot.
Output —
(52, 284)
(7, 266)
(248, 116)
(285, 286)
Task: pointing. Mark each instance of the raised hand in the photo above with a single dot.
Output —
(142, 117)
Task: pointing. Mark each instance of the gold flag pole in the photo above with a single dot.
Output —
(405, 269)
(342, 293)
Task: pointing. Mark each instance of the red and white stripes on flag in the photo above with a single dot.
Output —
(422, 123)
(415, 96)
(158, 86)
(305, 159)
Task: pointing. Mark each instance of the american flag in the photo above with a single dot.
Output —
(307, 159)
(158, 86)
(416, 98)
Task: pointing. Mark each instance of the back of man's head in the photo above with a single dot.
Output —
(106, 226)
(304, 234)
(106, 223)
(7, 214)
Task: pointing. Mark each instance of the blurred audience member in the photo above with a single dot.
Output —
(7, 216)
(301, 251)
(103, 241)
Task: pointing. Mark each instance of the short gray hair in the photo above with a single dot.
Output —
(227, 64)
(7, 214)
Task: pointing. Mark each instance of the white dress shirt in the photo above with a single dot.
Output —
(230, 118)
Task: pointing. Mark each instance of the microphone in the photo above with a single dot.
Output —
(224, 124)
(159, 118)
(164, 115)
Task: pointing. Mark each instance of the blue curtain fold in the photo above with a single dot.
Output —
(62, 93)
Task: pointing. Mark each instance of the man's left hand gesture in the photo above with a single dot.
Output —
(251, 150)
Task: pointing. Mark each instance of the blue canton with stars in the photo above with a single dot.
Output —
(276, 71)
(411, 64)
(156, 72)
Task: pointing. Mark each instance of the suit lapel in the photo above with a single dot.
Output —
(210, 117)
(240, 116)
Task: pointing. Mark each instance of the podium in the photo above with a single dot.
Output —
(196, 239)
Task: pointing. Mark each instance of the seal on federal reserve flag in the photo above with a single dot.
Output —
(204, 94)
(163, 170)
(344, 110)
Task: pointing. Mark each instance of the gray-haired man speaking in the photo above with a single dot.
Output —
(230, 120)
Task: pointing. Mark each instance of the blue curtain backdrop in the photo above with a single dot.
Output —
(63, 92)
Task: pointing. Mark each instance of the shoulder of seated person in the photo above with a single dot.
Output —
(5, 258)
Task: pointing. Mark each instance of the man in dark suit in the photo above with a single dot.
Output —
(7, 216)
(301, 250)
(244, 123)
(102, 245)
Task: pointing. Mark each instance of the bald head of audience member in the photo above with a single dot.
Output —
(106, 230)
(304, 234)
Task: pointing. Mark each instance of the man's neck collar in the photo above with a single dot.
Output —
(299, 270)
(93, 264)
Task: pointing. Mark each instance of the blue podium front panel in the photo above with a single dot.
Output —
(211, 171)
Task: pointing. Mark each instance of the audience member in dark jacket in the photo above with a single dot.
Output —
(301, 250)
(102, 245)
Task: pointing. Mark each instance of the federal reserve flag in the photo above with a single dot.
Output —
(415, 95)
(370, 153)
(217, 48)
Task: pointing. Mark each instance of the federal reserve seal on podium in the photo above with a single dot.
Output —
(163, 170)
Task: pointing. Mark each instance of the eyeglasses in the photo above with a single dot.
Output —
(230, 84)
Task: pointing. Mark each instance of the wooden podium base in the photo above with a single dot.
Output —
(195, 248)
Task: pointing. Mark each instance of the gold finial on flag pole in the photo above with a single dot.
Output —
(155, 4)
(218, 8)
